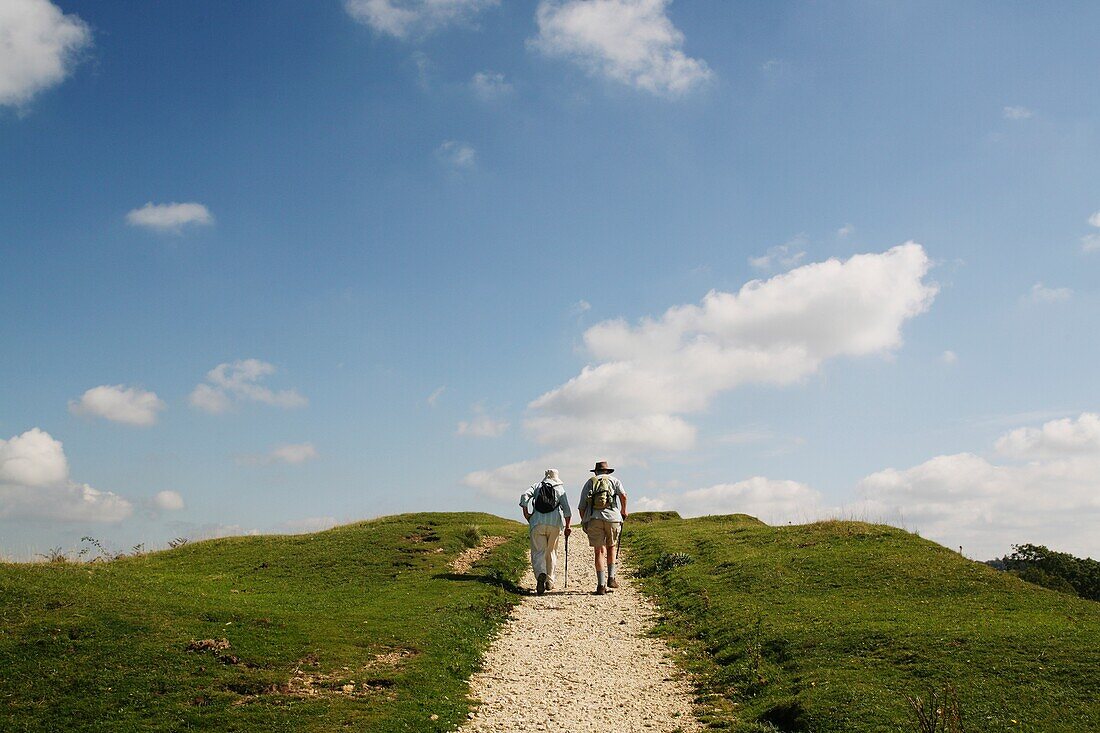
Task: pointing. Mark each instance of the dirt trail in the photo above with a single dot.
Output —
(573, 661)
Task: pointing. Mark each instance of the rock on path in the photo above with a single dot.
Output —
(573, 661)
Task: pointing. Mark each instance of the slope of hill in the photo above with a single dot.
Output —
(363, 627)
(830, 626)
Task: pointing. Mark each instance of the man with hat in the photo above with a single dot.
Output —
(603, 509)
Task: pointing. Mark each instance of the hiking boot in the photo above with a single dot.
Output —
(601, 590)
(549, 584)
(612, 583)
(541, 588)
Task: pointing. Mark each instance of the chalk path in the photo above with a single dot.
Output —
(573, 661)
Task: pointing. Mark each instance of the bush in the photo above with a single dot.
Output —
(1045, 567)
(471, 536)
(937, 713)
(667, 561)
(1044, 579)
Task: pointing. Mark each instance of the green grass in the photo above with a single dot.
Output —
(103, 646)
(827, 627)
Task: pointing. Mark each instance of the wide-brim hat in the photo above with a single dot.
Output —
(602, 466)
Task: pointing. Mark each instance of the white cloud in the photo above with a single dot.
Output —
(777, 331)
(217, 531)
(628, 41)
(845, 231)
(786, 255)
(949, 357)
(1042, 294)
(1045, 493)
(169, 217)
(169, 501)
(1017, 113)
(35, 483)
(1057, 438)
(773, 501)
(631, 400)
(1090, 243)
(210, 399)
(230, 383)
(119, 403)
(39, 46)
(615, 434)
(508, 482)
(458, 155)
(482, 425)
(294, 453)
(490, 85)
(964, 499)
(287, 453)
(1094, 220)
(581, 307)
(309, 524)
(433, 398)
(404, 18)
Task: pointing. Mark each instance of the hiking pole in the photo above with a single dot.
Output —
(619, 542)
(566, 560)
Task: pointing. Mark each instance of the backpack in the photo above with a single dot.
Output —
(546, 498)
(602, 495)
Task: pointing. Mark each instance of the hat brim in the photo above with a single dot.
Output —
(609, 470)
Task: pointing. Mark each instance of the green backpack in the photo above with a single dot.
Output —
(602, 495)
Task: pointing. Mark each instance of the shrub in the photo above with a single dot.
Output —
(667, 561)
(54, 554)
(937, 713)
(471, 536)
(1040, 565)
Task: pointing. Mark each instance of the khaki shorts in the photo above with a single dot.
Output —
(601, 532)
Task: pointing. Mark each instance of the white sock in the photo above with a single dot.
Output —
(601, 577)
(611, 570)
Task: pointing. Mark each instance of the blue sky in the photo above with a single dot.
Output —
(390, 200)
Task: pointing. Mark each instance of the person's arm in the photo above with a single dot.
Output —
(524, 502)
(622, 501)
(582, 505)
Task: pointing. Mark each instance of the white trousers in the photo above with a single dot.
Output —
(544, 543)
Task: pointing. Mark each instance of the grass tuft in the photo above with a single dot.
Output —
(471, 537)
(938, 712)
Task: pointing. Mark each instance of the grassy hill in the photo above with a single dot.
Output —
(830, 626)
(363, 627)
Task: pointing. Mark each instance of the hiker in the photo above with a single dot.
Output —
(545, 505)
(603, 510)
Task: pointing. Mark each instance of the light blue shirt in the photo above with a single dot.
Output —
(553, 518)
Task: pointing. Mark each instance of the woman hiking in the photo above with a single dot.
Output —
(545, 507)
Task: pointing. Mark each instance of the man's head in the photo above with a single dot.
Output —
(602, 468)
(551, 474)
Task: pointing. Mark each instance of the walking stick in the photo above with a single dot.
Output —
(619, 542)
(566, 561)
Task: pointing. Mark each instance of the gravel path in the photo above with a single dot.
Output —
(573, 661)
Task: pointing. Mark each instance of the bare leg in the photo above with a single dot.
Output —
(601, 564)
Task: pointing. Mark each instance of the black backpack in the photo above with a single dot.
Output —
(546, 498)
